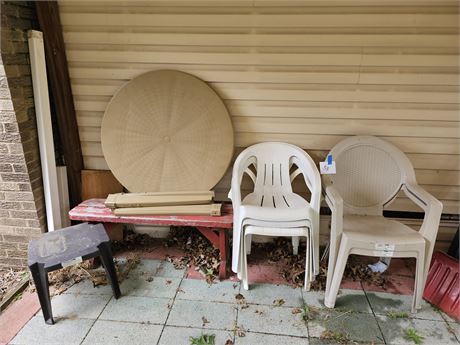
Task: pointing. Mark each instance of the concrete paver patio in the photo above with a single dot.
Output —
(160, 306)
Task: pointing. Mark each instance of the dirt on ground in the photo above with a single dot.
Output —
(9, 279)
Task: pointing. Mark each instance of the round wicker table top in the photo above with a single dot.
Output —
(167, 131)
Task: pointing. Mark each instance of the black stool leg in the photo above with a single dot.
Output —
(40, 277)
(105, 253)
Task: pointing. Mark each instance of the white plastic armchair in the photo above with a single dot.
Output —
(273, 204)
(370, 173)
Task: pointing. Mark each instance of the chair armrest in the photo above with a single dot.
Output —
(333, 199)
(307, 167)
(430, 205)
(335, 203)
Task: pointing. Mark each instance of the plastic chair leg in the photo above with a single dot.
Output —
(248, 242)
(40, 277)
(342, 257)
(245, 265)
(308, 263)
(105, 253)
(295, 245)
(312, 259)
(419, 281)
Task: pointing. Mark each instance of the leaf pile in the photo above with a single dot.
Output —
(198, 251)
(293, 266)
(8, 280)
(133, 240)
(64, 278)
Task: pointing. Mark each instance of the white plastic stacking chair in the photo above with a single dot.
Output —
(273, 209)
(369, 174)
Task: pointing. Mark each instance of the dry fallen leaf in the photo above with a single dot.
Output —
(229, 342)
(205, 321)
(239, 331)
(296, 311)
(279, 302)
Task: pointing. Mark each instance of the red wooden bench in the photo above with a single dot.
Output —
(215, 229)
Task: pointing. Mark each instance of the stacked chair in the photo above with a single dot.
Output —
(272, 208)
(370, 174)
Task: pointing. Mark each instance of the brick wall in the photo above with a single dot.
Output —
(22, 215)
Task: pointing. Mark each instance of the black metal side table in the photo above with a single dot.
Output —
(65, 247)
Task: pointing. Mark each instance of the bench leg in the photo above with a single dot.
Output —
(219, 239)
(105, 253)
(40, 277)
(223, 248)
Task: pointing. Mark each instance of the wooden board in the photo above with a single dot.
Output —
(198, 210)
(61, 93)
(125, 200)
(98, 184)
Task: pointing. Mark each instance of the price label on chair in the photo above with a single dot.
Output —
(328, 166)
(384, 249)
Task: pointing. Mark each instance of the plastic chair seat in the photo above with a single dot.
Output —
(275, 199)
(272, 224)
(285, 207)
(272, 231)
(378, 229)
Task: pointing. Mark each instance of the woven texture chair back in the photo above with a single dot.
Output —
(370, 173)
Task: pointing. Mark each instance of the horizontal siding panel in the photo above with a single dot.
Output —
(315, 59)
(325, 142)
(216, 58)
(256, 92)
(262, 20)
(343, 110)
(347, 127)
(255, 3)
(262, 40)
(123, 74)
(311, 110)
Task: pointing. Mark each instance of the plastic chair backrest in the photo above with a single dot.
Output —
(273, 162)
(369, 173)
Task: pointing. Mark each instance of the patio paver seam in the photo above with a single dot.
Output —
(97, 318)
(171, 305)
(374, 314)
(448, 323)
(217, 302)
(306, 323)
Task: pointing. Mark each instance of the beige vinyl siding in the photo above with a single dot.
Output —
(307, 72)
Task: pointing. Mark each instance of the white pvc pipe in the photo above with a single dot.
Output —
(45, 130)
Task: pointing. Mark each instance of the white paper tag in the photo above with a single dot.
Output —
(327, 169)
(328, 166)
(384, 249)
(71, 262)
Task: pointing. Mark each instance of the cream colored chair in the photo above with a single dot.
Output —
(273, 209)
(370, 173)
